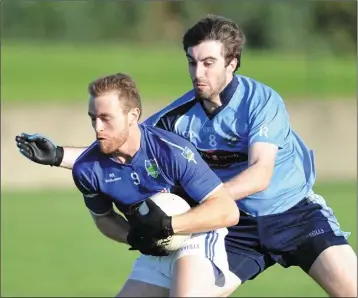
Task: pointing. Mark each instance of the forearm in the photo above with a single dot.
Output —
(218, 212)
(113, 226)
(252, 180)
(70, 155)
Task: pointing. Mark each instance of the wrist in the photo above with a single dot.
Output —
(167, 226)
(58, 156)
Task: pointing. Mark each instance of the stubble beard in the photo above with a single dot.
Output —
(211, 93)
(203, 94)
(113, 145)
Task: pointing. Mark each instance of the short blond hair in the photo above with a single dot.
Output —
(123, 84)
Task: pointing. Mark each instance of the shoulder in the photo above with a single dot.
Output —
(258, 95)
(255, 89)
(172, 152)
(178, 106)
(85, 163)
(166, 141)
(182, 100)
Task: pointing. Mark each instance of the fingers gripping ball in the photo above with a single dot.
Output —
(171, 205)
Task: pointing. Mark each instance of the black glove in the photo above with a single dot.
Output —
(39, 149)
(155, 224)
(145, 245)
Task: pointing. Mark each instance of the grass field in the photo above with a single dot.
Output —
(50, 247)
(48, 72)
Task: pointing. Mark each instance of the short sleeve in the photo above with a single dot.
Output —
(268, 120)
(97, 203)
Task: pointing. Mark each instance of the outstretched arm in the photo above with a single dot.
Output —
(41, 150)
(70, 154)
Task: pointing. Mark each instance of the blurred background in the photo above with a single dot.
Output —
(51, 50)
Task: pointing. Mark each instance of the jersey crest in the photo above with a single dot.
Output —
(151, 167)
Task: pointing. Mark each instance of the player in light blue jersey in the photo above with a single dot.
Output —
(128, 163)
(241, 129)
(252, 116)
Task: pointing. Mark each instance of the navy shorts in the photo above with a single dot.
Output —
(295, 237)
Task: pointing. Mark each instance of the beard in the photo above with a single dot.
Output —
(111, 145)
(209, 90)
(205, 93)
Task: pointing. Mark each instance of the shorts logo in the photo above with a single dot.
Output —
(151, 167)
(315, 233)
(190, 246)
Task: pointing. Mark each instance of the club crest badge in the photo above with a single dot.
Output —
(151, 167)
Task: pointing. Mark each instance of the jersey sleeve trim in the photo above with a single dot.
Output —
(211, 192)
(100, 214)
(94, 202)
(266, 142)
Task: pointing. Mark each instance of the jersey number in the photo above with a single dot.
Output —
(212, 141)
(135, 178)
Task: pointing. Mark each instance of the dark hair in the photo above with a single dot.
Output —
(217, 28)
(123, 84)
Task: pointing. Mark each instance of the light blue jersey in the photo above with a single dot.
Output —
(251, 112)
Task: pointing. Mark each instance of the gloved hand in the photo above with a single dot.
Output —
(145, 245)
(155, 223)
(39, 149)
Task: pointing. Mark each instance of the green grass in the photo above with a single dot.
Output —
(50, 247)
(48, 72)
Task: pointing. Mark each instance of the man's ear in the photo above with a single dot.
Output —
(232, 65)
(133, 116)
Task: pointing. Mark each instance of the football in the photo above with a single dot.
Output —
(171, 204)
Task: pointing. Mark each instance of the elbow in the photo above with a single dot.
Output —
(232, 216)
(264, 182)
(103, 228)
(264, 185)
(104, 231)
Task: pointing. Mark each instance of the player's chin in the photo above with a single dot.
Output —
(105, 148)
(202, 94)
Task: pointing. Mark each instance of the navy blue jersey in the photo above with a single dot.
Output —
(165, 162)
(251, 112)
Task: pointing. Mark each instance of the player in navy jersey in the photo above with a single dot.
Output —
(241, 129)
(128, 163)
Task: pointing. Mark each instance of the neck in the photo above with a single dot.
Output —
(126, 152)
(214, 102)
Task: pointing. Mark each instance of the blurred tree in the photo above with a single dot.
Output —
(336, 23)
(31, 20)
(289, 25)
(284, 25)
